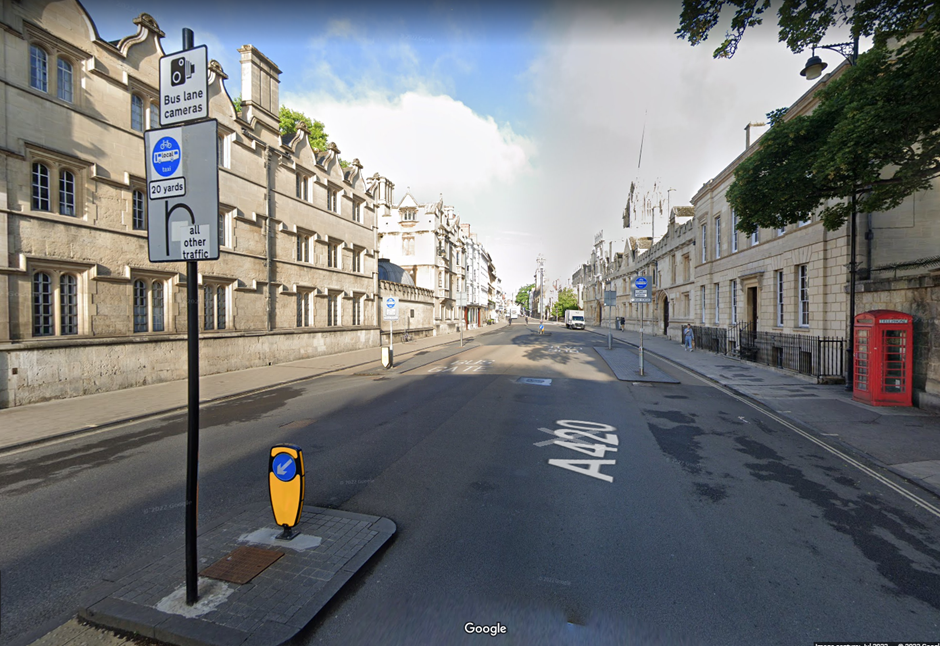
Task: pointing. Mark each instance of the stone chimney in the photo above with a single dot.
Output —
(260, 83)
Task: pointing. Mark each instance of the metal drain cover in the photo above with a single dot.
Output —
(242, 564)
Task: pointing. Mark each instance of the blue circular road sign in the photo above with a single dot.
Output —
(391, 302)
(640, 282)
(166, 156)
(284, 467)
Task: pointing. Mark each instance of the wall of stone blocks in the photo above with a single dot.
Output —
(919, 297)
(44, 372)
(410, 299)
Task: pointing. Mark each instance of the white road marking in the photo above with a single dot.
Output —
(592, 467)
(572, 437)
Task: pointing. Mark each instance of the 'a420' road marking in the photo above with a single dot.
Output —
(591, 438)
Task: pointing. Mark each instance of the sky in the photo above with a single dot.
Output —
(531, 118)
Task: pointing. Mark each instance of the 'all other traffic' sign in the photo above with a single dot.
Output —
(183, 192)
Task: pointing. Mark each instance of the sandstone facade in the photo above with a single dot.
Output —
(82, 309)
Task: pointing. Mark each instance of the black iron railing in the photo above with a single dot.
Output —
(713, 339)
(809, 355)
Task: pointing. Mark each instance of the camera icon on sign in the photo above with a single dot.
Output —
(181, 70)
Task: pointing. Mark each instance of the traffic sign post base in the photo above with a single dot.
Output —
(388, 357)
(287, 535)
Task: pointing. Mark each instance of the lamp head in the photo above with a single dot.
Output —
(814, 68)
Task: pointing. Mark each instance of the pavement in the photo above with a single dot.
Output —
(336, 544)
(903, 440)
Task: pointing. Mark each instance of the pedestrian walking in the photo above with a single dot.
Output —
(689, 337)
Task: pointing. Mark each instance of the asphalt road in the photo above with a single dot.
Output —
(584, 510)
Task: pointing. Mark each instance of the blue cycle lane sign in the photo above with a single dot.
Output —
(183, 192)
(641, 293)
(166, 156)
(165, 161)
(390, 311)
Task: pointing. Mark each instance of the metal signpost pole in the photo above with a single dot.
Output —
(609, 342)
(641, 341)
(192, 443)
(641, 297)
(181, 150)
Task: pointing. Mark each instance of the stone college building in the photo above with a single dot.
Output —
(82, 310)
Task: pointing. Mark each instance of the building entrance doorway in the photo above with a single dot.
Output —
(665, 314)
(752, 308)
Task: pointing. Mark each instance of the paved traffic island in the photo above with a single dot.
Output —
(282, 594)
(625, 365)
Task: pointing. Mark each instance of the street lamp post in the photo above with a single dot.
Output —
(813, 69)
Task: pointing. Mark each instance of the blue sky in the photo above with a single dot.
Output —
(526, 116)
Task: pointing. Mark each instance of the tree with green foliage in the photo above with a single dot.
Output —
(875, 134)
(522, 296)
(805, 23)
(567, 300)
(315, 133)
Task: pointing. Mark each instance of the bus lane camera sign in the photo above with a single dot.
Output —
(184, 86)
(183, 192)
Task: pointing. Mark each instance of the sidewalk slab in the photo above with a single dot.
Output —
(904, 440)
(149, 600)
(35, 423)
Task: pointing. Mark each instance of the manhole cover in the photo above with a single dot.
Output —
(242, 564)
(535, 382)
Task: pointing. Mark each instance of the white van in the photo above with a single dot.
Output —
(574, 319)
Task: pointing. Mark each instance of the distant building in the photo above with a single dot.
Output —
(415, 305)
(792, 281)
(429, 242)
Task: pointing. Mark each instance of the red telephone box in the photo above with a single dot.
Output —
(883, 357)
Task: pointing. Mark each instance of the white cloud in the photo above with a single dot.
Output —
(433, 143)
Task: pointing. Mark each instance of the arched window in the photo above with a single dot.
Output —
(157, 298)
(64, 80)
(66, 193)
(43, 309)
(149, 304)
(220, 295)
(214, 307)
(40, 187)
(38, 68)
(137, 113)
(68, 304)
(303, 309)
(140, 306)
(208, 308)
(55, 303)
